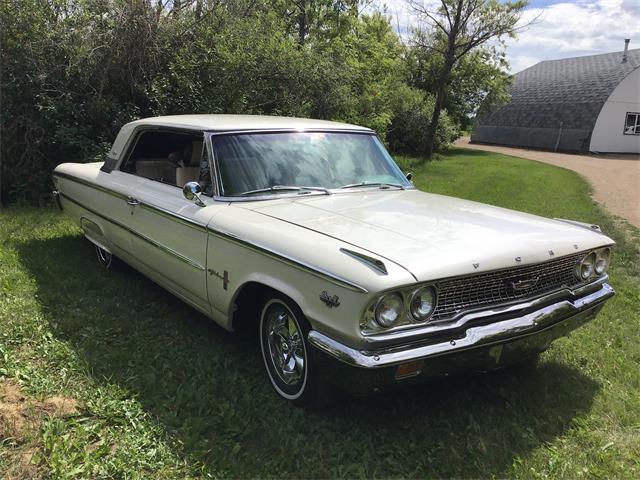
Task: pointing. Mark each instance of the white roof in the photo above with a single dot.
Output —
(223, 123)
(243, 122)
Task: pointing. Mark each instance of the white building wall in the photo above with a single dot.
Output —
(608, 134)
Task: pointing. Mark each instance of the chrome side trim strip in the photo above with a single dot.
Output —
(91, 184)
(199, 226)
(314, 270)
(173, 216)
(481, 336)
(147, 206)
(150, 241)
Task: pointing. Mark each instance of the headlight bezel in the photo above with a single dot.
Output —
(424, 317)
(379, 304)
(371, 323)
(604, 255)
(588, 267)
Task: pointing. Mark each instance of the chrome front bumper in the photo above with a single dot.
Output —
(532, 325)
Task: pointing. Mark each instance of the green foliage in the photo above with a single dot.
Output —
(74, 71)
(478, 81)
(414, 110)
(164, 393)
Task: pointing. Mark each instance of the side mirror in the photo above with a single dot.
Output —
(192, 191)
(409, 176)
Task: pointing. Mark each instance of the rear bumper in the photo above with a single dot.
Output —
(496, 342)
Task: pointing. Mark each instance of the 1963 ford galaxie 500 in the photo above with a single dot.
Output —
(352, 275)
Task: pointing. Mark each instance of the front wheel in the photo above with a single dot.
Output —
(285, 351)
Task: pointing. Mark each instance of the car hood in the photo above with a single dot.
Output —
(433, 236)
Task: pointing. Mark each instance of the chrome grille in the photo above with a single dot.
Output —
(493, 288)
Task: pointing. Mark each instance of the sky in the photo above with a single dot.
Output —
(564, 28)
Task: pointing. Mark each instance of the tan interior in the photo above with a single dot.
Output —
(163, 169)
(190, 172)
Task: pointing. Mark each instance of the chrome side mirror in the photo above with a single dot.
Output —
(409, 176)
(192, 191)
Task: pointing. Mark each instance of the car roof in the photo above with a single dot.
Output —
(244, 122)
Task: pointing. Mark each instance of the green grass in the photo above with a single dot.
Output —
(164, 393)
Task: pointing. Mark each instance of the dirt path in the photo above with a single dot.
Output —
(615, 177)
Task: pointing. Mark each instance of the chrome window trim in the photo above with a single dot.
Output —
(290, 130)
(152, 242)
(137, 133)
(229, 199)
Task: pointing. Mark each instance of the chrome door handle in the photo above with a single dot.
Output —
(133, 201)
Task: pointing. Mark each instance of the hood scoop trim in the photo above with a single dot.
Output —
(374, 263)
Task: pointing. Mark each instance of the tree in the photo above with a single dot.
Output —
(481, 76)
(458, 28)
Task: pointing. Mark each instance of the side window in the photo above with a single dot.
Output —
(173, 158)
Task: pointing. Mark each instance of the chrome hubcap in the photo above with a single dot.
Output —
(285, 346)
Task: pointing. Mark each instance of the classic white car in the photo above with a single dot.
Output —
(309, 231)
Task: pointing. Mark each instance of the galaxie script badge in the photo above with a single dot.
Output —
(330, 300)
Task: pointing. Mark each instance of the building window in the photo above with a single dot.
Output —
(632, 124)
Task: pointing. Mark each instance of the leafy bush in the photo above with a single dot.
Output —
(406, 134)
(74, 71)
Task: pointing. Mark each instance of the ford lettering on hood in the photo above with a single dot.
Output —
(432, 236)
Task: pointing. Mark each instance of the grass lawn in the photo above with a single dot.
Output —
(106, 375)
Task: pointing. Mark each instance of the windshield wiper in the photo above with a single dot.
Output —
(374, 184)
(285, 188)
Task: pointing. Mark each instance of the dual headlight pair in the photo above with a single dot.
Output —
(402, 307)
(594, 264)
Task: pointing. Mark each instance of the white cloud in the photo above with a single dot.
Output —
(566, 29)
(584, 27)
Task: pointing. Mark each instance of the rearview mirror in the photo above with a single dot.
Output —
(192, 191)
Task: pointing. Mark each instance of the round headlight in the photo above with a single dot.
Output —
(587, 266)
(602, 260)
(389, 309)
(423, 302)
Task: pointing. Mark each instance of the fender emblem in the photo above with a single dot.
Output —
(330, 300)
(524, 284)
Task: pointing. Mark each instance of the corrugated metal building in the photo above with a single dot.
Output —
(579, 104)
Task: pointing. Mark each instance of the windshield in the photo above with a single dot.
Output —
(258, 161)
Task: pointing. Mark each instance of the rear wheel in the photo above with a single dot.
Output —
(286, 353)
(106, 259)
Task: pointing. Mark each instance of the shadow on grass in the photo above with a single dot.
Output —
(208, 390)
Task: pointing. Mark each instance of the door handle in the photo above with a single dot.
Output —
(133, 201)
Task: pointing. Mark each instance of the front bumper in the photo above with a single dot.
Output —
(491, 340)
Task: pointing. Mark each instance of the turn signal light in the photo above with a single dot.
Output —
(410, 369)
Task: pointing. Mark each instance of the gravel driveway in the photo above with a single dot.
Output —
(615, 177)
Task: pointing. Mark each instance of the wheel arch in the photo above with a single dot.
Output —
(244, 310)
